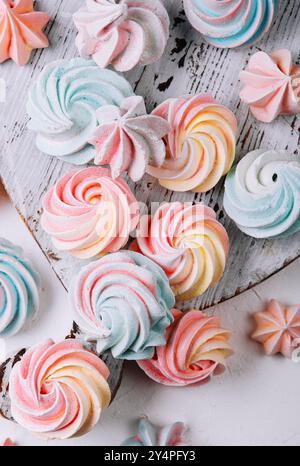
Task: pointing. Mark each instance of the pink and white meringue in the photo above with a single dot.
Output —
(271, 85)
(122, 33)
(21, 30)
(59, 390)
(200, 146)
(195, 351)
(278, 329)
(127, 139)
(88, 214)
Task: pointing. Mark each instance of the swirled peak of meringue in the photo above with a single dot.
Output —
(262, 194)
(149, 435)
(188, 243)
(196, 349)
(62, 106)
(19, 290)
(21, 30)
(200, 146)
(231, 23)
(127, 139)
(122, 33)
(124, 301)
(58, 390)
(88, 214)
(271, 85)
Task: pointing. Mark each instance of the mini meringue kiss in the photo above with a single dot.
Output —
(149, 435)
(271, 85)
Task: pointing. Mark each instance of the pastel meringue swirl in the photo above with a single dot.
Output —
(200, 146)
(122, 33)
(127, 139)
(231, 23)
(262, 194)
(62, 106)
(149, 435)
(188, 243)
(19, 290)
(124, 302)
(59, 390)
(88, 214)
(195, 350)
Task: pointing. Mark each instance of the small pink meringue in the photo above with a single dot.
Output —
(8, 443)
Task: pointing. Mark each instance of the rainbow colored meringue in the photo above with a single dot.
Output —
(271, 85)
(127, 139)
(278, 329)
(262, 194)
(122, 33)
(21, 30)
(124, 302)
(231, 23)
(19, 290)
(88, 214)
(195, 350)
(59, 390)
(149, 435)
(62, 106)
(200, 145)
(188, 243)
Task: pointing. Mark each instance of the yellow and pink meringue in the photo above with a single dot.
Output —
(196, 349)
(59, 391)
(122, 33)
(188, 243)
(271, 85)
(200, 146)
(88, 214)
(21, 30)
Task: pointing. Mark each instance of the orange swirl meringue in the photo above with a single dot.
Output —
(200, 146)
(195, 351)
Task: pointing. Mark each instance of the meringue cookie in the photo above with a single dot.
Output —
(87, 213)
(127, 139)
(19, 290)
(122, 33)
(271, 85)
(262, 194)
(200, 145)
(58, 390)
(21, 30)
(195, 351)
(231, 23)
(188, 243)
(123, 301)
(63, 102)
(278, 329)
(149, 435)
(8, 443)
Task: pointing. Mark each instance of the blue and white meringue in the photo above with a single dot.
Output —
(262, 194)
(149, 435)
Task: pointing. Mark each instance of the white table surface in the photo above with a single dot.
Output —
(256, 402)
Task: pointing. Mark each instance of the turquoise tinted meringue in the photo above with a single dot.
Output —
(262, 194)
(19, 289)
(63, 102)
(124, 302)
(149, 435)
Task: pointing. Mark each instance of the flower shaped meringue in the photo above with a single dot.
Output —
(124, 302)
(19, 290)
(122, 33)
(231, 23)
(149, 435)
(88, 214)
(127, 139)
(200, 145)
(262, 194)
(62, 106)
(21, 30)
(59, 390)
(271, 85)
(188, 243)
(195, 350)
(278, 329)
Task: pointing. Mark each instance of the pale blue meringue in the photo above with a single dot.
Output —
(149, 435)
